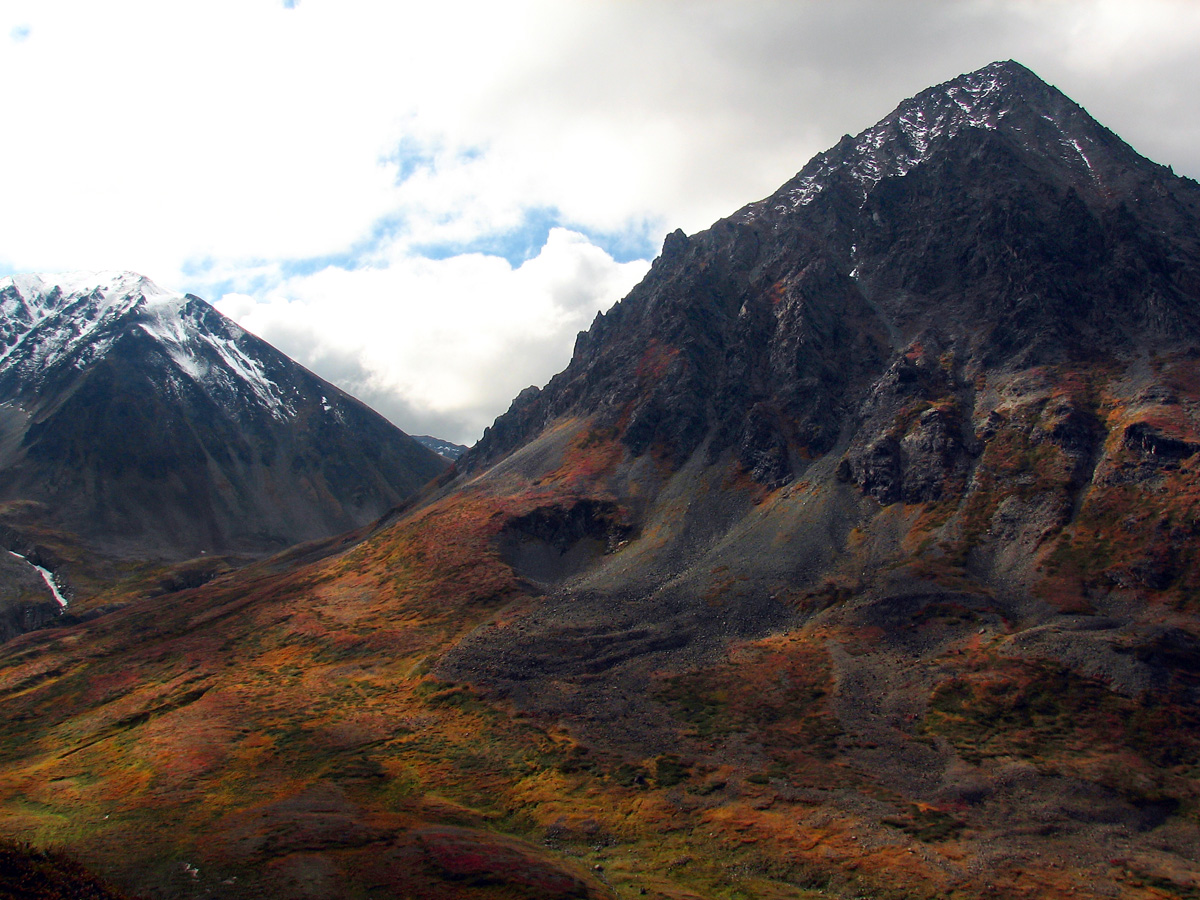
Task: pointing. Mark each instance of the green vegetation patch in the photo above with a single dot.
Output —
(670, 770)
(1166, 886)
(928, 825)
(778, 692)
(1038, 709)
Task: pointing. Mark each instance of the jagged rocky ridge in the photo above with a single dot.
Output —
(148, 424)
(988, 221)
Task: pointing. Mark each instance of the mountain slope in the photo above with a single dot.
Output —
(929, 372)
(150, 425)
(931, 408)
(854, 554)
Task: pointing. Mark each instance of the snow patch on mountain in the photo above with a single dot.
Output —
(116, 287)
(77, 316)
(47, 317)
(911, 134)
(1078, 149)
(440, 446)
(250, 372)
(906, 138)
(47, 576)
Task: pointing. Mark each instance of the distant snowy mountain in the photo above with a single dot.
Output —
(55, 323)
(441, 447)
(145, 421)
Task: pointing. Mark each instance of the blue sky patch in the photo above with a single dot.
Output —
(198, 281)
(298, 268)
(517, 245)
(640, 240)
(521, 244)
(410, 156)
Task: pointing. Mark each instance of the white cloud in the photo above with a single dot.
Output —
(441, 345)
(218, 147)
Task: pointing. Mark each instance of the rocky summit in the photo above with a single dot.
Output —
(989, 219)
(854, 554)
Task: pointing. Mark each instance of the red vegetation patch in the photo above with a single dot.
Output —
(1183, 376)
(656, 358)
(460, 855)
(32, 874)
(593, 454)
(443, 557)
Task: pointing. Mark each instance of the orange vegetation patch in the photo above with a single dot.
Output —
(777, 293)
(776, 690)
(591, 455)
(1080, 386)
(1134, 537)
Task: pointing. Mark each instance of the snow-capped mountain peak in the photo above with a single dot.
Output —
(43, 294)
(145, 420)
(1003, 95)
(75, 318)
(88, 300)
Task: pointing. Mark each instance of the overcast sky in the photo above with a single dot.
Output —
(424, 202)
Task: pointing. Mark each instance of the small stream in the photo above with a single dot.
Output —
(48, 577)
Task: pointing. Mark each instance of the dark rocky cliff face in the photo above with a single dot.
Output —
(990, 218)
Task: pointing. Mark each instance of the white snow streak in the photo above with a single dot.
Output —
(1087, 162)
(48, 577)
(250, 371)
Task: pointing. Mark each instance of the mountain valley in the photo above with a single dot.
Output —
(854, 554)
